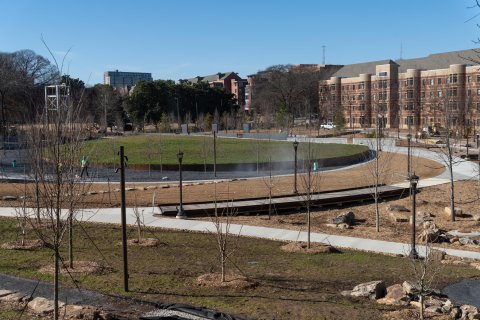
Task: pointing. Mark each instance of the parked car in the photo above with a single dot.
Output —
(327, 126)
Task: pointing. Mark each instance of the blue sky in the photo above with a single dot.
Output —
(185, 38)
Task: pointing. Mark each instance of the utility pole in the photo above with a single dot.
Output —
(124, 219)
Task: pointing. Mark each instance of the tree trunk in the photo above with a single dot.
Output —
(422, 307)
(222, 262)
(377, 173)
(70, 239)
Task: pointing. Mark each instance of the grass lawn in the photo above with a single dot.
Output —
(163, 149)
(290, 286)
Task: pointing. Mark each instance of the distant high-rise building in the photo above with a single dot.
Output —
(124, 81)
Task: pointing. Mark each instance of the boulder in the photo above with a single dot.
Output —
(429, 235)
(465, 241)
(396, 292)
(4, 293)
(476, 217)
(372, 290)
(410, 288)
(469, 312)
(395, 296)
(398, 216)
(448, 211)
(434, 309)
(347, 218)
(14, 297)
(455, 313)
(340, 226)
(151, 187)
(41, 305)
(436, 255)
(9, 198)
(433, 301)
(397, 208)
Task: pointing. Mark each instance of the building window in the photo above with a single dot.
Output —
(423, 94)
(432, 82)
(424, 82)
(478, 78)
(410, 94)
(452, 92)
(478, 92)
(478, 106)
(382, 74)
(353, 87)
(439, 80)
(410, 82)
(469, 92)
(361, 86)
(332, 87)
(469, 79)
(453, 78)
(362, 107)
(361, 97)
(439, 93)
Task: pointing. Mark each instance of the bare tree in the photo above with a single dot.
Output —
(425, 271)
(309, 181)
(377, 169)
(270, 181)
(225, 240)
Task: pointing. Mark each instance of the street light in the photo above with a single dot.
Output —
(180, 212)
(409, 139)
(295, 147)
(413, 186)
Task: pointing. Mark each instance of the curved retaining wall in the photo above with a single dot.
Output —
(279, 165)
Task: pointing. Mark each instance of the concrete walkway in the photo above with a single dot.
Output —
(112, 215)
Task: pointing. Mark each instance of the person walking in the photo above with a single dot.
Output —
(84, 166)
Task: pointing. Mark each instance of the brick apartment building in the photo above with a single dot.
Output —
(407, 93)
(231, 82)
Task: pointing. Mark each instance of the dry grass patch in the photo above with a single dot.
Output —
(301, 247)
(26, 245)
(214, 280)
(144, 242)
(79, 267)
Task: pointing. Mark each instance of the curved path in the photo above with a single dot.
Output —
(463, 170)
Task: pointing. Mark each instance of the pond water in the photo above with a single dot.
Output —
(464, 292)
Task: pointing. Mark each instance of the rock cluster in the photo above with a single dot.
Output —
(408, 294)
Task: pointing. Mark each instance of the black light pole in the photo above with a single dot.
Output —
(413, 186)
(180, 212)
(124, 219)
(215, 153)
(295, 147)
(409, 140)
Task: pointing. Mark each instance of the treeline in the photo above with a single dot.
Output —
(163, 102)
(24, 74)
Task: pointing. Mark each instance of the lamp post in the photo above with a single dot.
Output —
(180, 212)
(413, 186)
(409, 140)
(295, 147)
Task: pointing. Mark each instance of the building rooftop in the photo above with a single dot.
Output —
(210, 78)
(430, 62)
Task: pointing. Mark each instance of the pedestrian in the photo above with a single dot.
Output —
(84, 166)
